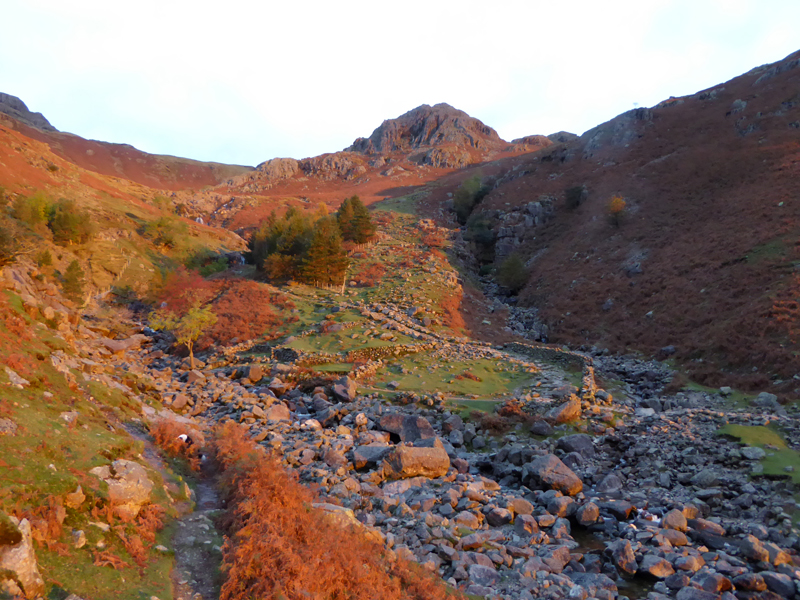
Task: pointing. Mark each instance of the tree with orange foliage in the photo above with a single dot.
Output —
(616, 209)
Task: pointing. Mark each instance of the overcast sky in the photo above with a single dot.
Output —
(242, 82)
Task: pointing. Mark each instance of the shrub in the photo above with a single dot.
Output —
(8, 246)
(433, 239)
(244, 312)
(32, 210)
(207, 262)
(481, 234)
(512, 273)
(69, 224)
(616, 210)
(165, 433)
(369, 275)
(44, 258)
(468, 196)
(575, 196)
(164, 231)
(184, 288)
(72, 284)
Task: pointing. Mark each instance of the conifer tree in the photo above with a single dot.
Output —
(72, 285)
(345, 216)
(325, 262)
(354, 221)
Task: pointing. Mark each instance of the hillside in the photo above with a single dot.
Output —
(115, 160)
(707, 243)
(363, 410)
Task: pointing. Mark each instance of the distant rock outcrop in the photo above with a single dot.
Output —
(16, 108)
(279, 168)
(427, 126)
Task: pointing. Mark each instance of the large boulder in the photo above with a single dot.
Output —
(406, 427)
(17, 557)
(548, 472)
(408, 461)
(129, 486)
(345, 389)
(565, 413)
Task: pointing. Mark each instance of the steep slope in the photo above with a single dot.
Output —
(116, 160)
(16, 108)
(708, 242)
(137, 233)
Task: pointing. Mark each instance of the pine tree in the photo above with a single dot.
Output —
(363, 227)
(344, 217)
(354, 221)
(325, 262)
(72, 285)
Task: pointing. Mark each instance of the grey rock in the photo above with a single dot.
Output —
(483, 575)
(587, 514)
(656, 566)
(20, 559)
(579, 442)
(623, 557)
(407, 428)
(779, 583)
(565, 413)
(549, 472)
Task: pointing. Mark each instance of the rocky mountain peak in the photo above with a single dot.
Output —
(428, 126)
(16, 108)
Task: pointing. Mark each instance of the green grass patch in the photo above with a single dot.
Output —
(426, 375)
(404, 205)
(333, 368)
(736, 400)
(779, 455)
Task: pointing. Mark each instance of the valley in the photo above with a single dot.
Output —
(503, 393)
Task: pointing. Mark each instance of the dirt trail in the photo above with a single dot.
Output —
(195, 540)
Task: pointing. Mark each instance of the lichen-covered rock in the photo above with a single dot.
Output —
(129, 486)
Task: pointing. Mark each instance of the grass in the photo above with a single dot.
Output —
(778, 457)
(342, 341)
(737, 399)
(334, 368)
(48, 458)
(426, 375)
(404, 205)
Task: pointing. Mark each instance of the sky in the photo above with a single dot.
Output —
(242, 82)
